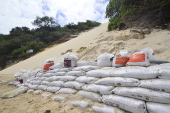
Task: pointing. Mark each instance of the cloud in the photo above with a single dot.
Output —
(22, 12)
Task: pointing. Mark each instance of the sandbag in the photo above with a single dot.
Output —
(47, 75)
(104, 60)
(30, 91)
(33, 86)
(107, 109)
(157, 107)
(66, 91)
(118, 81)
(46, 96)
(38, 82)
(59, 74)
(45, 83)
(76, 73)
(70, 60)
(86, 64)
(56, 83)
(156, 84)
(125, 103)
(98, 73)
(90, 95)
(15, 92)
(73, 84)
(143, 94)
(101, 89)
(64, 70)
(58, 98)
(42, 87)
(82, 104)
(135, 72)
(85, 79)
(139, 59)
(53, 89)
(85, 68)
(53, 71)
(50, 79)
(56, 66)
(164, 73)
(37, 92)
(67, 78)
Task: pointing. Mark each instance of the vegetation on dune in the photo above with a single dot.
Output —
(138, 13)
(13, 47)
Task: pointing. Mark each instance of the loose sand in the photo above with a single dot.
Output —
(89, 45)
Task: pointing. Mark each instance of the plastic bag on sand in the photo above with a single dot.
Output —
(15, 92)
(85, 68)
(53, 89)
(98, 73)
(42, 87)
(121, 59)
(84, 79)
(67, 78)
(37, 92)
(86, 64)
(56, 66)
(118, 81)
(125, 103)
(135, 72)
(104, 60)
(46, 95)
(91, 95)
(143, 94)
(107, 109)
(58, 98)
(157, 107)
(82, 104)
(164, 74)
(56, 83)
(156, 84)
(76, 73)
(66, 91)
(73, 84)
(101, 89)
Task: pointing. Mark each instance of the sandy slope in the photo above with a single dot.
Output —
(36, 61)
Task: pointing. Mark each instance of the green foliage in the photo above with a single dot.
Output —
(113, 23)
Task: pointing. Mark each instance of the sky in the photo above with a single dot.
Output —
(19, 13)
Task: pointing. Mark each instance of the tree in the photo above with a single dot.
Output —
(44, 22)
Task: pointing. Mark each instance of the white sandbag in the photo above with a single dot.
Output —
(104, 60)
(85, 68)
(58, 98)
(50, 79)
(37, 92)
(82, 104)
(66, 91)
(46, 96)
(98, 73)
(107, 109)
(73, 84)
(125, 103)
(156, 84)
(39, 74)
(67, 78)
(27, 84)
(118, 81)
(164, 73)
(56, 83)
(101, 89)
(85, 79)
(91, 95)
(15, 92)
(45, 83)
(53, 89)
(138, 59)
(56, 66)
(135, 72)
(38, 82)
(53, 71)
(64, 70)
(47, 75)
(59, 74)
(149, 53)
(86, 64)
(76, 73)
(72, 57)
(143, 94)
(42, 87)
(157, 107)
(30, 91)
(33, 86)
